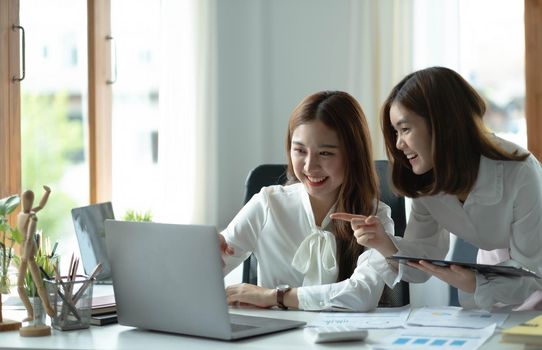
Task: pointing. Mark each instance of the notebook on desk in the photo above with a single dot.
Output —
(169, 278)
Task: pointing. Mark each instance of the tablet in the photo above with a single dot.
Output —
(481, 268)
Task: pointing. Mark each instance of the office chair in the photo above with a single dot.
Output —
(275, 174)
(399, 295)
(261, 176)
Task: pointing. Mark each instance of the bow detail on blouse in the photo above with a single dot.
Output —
(316, 259)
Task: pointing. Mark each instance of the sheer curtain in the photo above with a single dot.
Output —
(186, 129)
(381, 54)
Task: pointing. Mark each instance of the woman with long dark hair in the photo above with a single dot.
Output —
(315, 261)
(463, 180)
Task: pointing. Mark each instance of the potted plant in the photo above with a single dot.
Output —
(8, 237)
(46, 260)
(132, 215)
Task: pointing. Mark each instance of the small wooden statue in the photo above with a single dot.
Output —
(26, 221)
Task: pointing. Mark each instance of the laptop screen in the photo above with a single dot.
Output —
(89, 227)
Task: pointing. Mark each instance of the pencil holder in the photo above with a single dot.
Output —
(71, 301)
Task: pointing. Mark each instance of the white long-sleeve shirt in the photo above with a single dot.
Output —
(503, 211)
(273, 225)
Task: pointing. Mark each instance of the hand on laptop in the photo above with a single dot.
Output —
(245, 293)
(250, 294)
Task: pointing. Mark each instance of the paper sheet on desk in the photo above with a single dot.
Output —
(12, 302)
(424, 338)
(380, 318)
(450, 316)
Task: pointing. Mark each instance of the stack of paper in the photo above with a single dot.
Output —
(529, 332)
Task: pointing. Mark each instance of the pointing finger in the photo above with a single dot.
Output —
(371, 220)
(346, 216)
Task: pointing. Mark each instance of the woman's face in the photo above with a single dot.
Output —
(317, 160)
(413, 138)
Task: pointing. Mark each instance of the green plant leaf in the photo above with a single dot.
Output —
(8, 204)
(4, 227)
(16, 235)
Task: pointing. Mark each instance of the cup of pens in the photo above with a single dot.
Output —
(71, 300)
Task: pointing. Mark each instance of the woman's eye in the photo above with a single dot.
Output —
(326, 153)
(299, 150)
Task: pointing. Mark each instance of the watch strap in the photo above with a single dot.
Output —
(281, 291)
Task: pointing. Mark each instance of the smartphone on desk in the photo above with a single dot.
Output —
(481, 268)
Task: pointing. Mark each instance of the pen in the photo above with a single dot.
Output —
(53, 250)
(70, 306)
(45, 274)
(92, 276)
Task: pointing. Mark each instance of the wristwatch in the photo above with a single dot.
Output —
(281, 290)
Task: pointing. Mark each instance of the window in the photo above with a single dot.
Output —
(135, 116)
(492, 56)
(54, 112)
(485, 47)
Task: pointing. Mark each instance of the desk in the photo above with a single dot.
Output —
(121, 337)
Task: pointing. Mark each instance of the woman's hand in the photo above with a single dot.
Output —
(225, 249)
(251, 294)
(369, 232)
(456, 276)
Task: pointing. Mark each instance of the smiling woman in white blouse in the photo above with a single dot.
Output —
(464, 180)
(306, 260)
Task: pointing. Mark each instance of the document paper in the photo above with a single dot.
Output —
(435, 338)
(451, 316)
(379, 319)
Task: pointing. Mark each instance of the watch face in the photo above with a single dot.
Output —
(283, 287)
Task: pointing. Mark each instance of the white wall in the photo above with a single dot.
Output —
(271, 54)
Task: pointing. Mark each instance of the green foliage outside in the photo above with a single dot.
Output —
(50, 143)
(8, 237)
(132, 215)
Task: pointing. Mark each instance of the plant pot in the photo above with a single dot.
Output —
(39, 312)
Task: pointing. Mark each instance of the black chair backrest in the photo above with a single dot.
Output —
(275, 174)
(261, 176)
(264, 175)
(399, 295)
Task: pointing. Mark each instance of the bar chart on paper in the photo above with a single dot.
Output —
(436, 338)
(455, 317)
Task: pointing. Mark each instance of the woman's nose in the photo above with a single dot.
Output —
(399, 143)
(311, 162)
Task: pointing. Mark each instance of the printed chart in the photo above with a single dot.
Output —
(436, 338)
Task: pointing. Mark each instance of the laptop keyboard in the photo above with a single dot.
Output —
(235, 327)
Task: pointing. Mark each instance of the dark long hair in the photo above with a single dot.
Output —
(342, 113)
(453, 112)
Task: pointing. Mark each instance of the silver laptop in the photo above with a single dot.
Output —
(88, 222)
(169, 278)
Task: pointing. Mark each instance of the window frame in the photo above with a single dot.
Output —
(10, 100)
(533, 76)
(99, 100)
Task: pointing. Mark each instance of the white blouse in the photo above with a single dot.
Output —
(278, 225)
(503, 211)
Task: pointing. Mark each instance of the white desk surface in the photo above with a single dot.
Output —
(121, 337)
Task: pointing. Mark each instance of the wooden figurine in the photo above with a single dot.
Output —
(26, 221)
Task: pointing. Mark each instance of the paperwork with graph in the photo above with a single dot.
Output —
(435, 338)
(450, 316)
